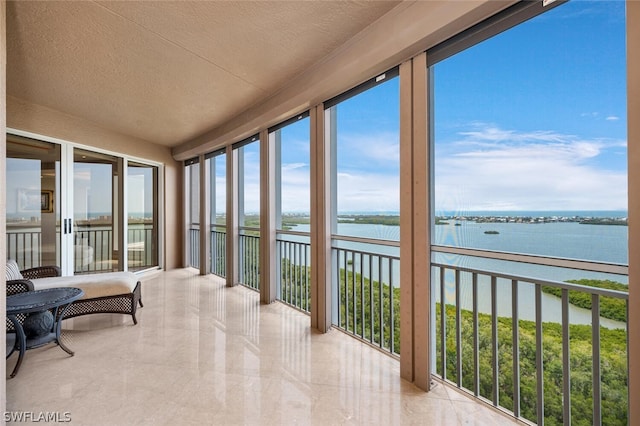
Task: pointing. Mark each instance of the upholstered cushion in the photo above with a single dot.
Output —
(13, 270)
(93, 285)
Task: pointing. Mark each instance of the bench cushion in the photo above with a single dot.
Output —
(93, 285)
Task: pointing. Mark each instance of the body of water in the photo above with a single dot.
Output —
(598, 243)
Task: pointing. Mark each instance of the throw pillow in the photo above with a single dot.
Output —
(13, 270)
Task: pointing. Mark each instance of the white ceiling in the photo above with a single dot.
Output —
(169, 71)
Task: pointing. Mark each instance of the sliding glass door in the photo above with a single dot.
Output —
(33, 202)
(142, 216)
(96, 218)
(66, 206)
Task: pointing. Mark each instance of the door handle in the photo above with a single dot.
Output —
(67, 226)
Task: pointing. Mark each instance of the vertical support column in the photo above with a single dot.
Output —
(277, 141)
(205, 218)
(415, 238)
(320, 223)
(422, 221)
(232, 216)
(3, 183)
(406, 221)
(267, 217)
(633, 158)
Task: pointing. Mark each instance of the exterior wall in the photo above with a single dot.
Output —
(47, 122)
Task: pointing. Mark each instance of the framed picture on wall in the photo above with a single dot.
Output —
(33, 200)
(46, 201)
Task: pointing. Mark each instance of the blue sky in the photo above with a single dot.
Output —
(532, 119)
(535, 118)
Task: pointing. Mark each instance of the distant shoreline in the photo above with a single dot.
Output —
(293, 219)
(584, 220)
(394, 220)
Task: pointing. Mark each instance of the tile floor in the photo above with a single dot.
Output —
(206, 354)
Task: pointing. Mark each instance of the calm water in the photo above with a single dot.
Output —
(598, 243)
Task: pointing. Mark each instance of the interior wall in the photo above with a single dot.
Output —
(44, 121)
(3, 154)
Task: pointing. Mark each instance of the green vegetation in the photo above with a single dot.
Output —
(366, 311)
(295, 284)
(356, 317)
(390, 220)
(288, 221)
(291, 220)
(614, 309)
(365, 303)
(605, 221)
(613, 364)
(252, 221)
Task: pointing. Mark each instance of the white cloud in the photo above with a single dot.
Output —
(368, 191)
(496, 169)
(382, 148)
(293, 166)
(295, 195)
(597, 115)
(368, 172)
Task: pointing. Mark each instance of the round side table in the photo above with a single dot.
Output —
(44, 310)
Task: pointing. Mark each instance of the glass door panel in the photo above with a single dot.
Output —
(192, 189)
(33, 202)
(142, 216)
(95, 206)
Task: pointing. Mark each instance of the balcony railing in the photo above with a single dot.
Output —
(537, 369)
(218, 251)
(367, 294)
(294, 268)
(93, 249)
(249, 259)
(142, 252)
(25, 247)
(248, 249)
(194, 246)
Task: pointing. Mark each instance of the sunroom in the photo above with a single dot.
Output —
(434, 203)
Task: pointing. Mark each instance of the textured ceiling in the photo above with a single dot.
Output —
(168, 71)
